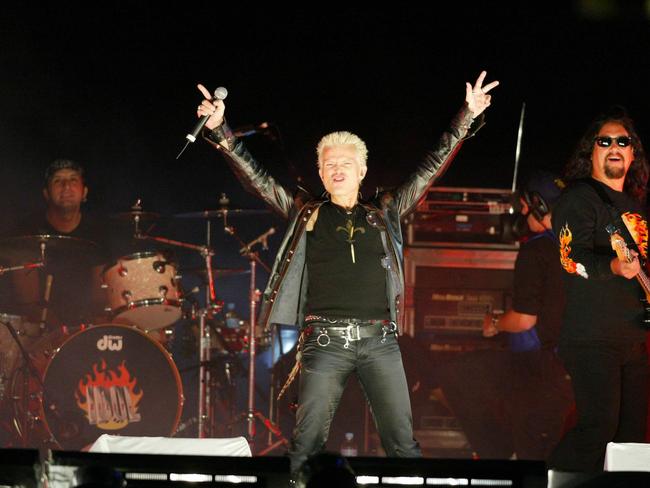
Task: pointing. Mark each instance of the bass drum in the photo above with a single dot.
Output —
(109, 379)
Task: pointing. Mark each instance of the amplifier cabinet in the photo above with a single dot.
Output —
(467, 217)
(449, 290)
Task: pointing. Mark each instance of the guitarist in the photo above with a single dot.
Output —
(602, 341)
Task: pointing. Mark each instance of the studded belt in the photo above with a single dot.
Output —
(350, 330)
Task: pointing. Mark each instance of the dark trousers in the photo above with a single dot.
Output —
(508, 403)
(610, 384)
(323, 376)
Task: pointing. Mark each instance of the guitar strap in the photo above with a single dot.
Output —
(615, 214)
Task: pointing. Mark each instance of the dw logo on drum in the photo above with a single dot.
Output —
(110, 343)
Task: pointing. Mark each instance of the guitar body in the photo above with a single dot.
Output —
(623, 252)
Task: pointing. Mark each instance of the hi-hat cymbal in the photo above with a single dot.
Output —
(28, 248)
(216, 272)
(209, 214)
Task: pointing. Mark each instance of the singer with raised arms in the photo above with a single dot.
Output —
(338, 273)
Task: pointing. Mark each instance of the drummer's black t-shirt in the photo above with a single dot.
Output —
(93, 228)
(73, 260)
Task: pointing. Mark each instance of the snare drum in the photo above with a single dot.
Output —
(142, 290)
(107, 379)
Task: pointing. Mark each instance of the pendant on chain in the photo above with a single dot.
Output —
(350, 230)
(351, 240)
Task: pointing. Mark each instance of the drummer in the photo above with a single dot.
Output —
(74, 265)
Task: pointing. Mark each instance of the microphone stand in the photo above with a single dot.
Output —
(254, 295)
(212, 306)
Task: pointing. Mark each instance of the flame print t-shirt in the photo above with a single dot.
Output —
(600, 305)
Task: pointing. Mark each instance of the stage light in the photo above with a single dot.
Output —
(231, 478)
(190, 477)
(146, 476)
(180, 470)
(447, 481)
(368, 480)
(484, 482)
(449, 472)
(402, 480)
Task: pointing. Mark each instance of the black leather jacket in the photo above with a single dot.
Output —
(284, 298)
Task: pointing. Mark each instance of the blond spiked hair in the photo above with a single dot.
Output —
(343, 138)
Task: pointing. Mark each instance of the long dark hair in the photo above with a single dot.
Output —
(579, 166)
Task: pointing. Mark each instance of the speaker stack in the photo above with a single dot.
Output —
(458, 263)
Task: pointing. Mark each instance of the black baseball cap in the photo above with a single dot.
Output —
(59, 164)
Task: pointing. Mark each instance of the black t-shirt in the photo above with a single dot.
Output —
(539, 286)
(339, 287)
(600, 305)
(73, 260)
(92, 228)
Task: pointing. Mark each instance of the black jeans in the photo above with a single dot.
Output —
(323, 376)
(610, 383)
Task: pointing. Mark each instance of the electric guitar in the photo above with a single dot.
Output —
(623, 252)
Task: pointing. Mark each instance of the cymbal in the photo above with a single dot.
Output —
(28, 248)
(131, 216)
(216, 272)
(209, 214)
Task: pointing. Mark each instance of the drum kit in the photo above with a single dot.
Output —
(62, 385)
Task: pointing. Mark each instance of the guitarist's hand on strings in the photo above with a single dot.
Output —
(625, 269)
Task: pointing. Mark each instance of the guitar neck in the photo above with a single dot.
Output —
(644, 281)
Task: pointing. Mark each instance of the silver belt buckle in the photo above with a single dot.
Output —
(349, 336)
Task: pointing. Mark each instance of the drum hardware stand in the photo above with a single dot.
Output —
(22, 426)
(254, 295)
(29, 370)
(185, 425)
(229, 361)
(137, 213)
(9, 269)
(212, 307)
(46, 302)
(136, 208)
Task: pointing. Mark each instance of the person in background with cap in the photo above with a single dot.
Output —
(76, 296)
(65, 190)
(604, 331)
(512, 403)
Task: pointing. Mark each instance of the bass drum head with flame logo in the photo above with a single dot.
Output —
(110, 379)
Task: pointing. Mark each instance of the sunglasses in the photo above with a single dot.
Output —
(606, 141)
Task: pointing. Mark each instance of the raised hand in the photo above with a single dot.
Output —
(215, 109)
(476, 96)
